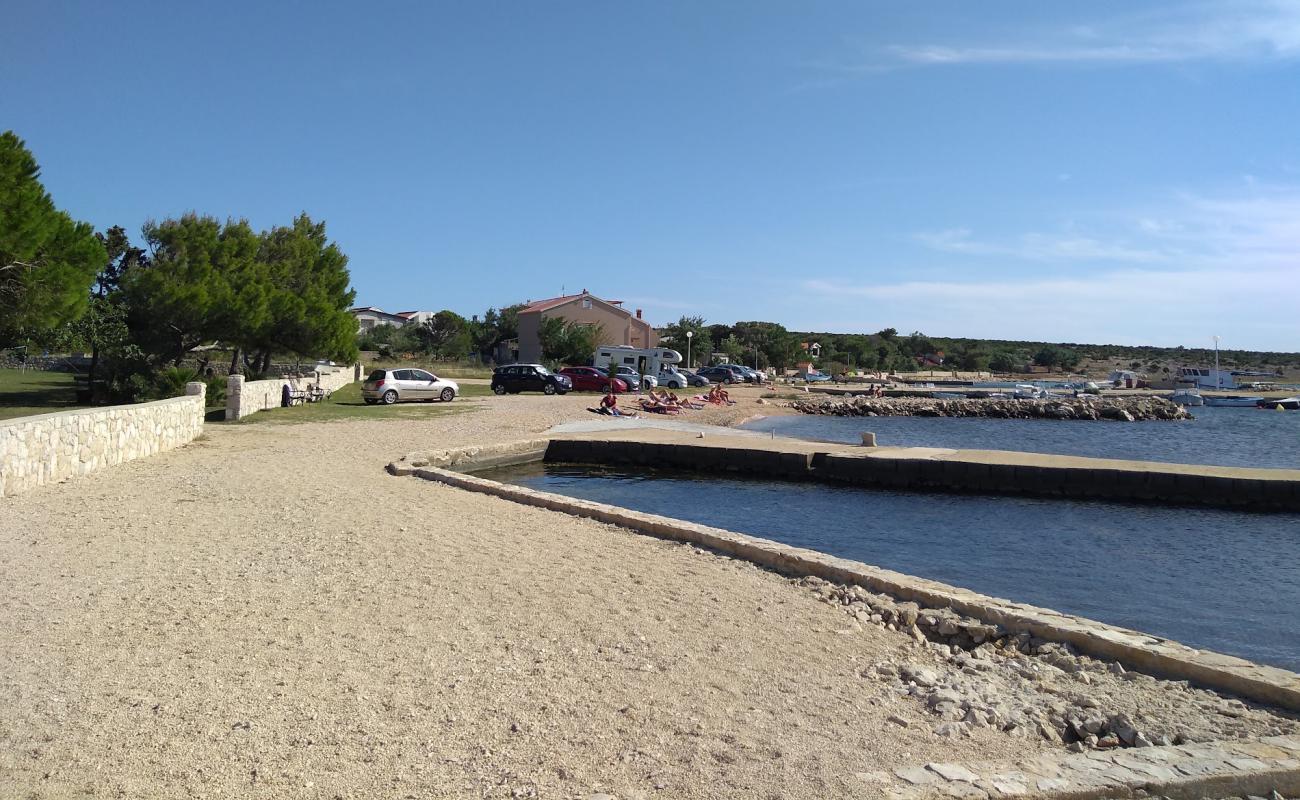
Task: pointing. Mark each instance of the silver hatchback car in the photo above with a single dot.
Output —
(390, 386)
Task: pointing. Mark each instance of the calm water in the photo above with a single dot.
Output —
(1232, 437)
(1222, 580)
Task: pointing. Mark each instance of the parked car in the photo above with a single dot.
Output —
(390, 386)
(694, 379)
(517, 378)
(816, 377)
(590, 379)
(722, 373)
(634, 378)
(752, 375)
(672, 377)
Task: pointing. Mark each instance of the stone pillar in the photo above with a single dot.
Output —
(196, 387)
(356, 371)
(234, 387)
(868, 439)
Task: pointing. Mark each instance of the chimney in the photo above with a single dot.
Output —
(638, 313)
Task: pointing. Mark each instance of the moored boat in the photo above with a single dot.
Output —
(1287, 403)
(1233, 402)
(1187, 397)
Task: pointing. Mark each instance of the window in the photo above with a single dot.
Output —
(402, 374)
(586, 302)
(420, 375)
(377, 375)
(629, 360)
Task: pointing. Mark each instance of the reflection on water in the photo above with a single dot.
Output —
(1221, 580)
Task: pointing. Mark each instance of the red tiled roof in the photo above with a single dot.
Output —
(546, 305)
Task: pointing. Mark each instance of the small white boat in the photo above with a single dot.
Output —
(1286, 403)
(1187, 397)
(1027, 391)
(1233, 402)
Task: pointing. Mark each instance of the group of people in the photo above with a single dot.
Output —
(662, 401)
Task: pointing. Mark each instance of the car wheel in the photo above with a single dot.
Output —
(447, 395)
(390, 397)
(548, 389)
(499, 389)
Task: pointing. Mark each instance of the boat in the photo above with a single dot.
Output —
(1287, 403)
(948, 395)
(1027, 391)
(1233, 402)
(1187, 397)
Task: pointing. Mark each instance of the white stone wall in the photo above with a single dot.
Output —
(249, 397)
(47, 448)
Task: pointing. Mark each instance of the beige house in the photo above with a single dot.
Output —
(617, 324)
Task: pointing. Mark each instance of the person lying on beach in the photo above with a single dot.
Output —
(654, 406)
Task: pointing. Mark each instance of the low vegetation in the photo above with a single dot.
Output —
(346, 404)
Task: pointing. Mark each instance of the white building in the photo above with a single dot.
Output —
(368, 317)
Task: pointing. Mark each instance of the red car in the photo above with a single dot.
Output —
(590, 379)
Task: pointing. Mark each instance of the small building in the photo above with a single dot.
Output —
(416, 317)
(813, 349)
(617, 325)
(369, 317)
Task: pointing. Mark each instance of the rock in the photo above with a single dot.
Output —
(1123, 727)
(1142, 741)
(897, 720)
(921, 676)
(906, 613)
(951, 730)
(1049, 733)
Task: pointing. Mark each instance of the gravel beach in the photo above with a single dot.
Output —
(267, 613)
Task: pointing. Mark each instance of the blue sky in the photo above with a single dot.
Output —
(1103, 171)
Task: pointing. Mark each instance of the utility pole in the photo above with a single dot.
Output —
(1218, 378)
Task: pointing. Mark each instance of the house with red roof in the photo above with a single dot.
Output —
(617, 324)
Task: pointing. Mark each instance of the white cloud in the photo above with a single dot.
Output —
(1039, 247)
(1208, 264)
(1249, 30)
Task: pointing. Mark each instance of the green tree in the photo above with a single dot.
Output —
(700, 340)
(565, 342)
(47, 260)
(733, 348)
(446, 335)
(201, 285)
(1003, 361)
(307, 286)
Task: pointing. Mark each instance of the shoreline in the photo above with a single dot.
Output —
(266, 612)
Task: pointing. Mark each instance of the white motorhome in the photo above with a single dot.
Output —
(647, 361)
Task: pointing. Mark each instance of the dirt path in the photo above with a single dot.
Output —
(267, 613)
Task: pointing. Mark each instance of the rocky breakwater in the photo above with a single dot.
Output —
(1120, 409)
(961, 673)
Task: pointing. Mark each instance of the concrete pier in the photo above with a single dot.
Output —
(938, 469)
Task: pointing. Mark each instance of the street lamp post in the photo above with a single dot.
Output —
(689, 334)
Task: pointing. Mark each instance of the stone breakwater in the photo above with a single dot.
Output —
(1120, 409)
(983, 676)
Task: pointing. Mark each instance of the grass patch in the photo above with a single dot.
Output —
(23, 393)
(346, 404)
(441, 369)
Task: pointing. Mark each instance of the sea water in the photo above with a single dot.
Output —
(1224, 580)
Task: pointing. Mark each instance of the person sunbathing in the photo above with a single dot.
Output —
(609, 405)
(653, 405)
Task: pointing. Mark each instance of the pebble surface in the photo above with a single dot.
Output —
(267, 613)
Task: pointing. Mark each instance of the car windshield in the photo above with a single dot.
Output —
(542, 370)
(377, 375)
